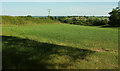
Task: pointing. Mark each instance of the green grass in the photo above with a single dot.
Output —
(59, 46)
(23, 20)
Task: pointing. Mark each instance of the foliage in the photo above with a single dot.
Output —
(87, 21)
(26, 20)
(115, 17)
(97, 22)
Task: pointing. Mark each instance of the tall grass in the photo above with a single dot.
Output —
(46, 44)
(60, 46)
(20, 20)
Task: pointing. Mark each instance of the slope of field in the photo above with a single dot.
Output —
(59, 46)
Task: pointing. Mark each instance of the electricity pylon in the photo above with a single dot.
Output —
(48, 12)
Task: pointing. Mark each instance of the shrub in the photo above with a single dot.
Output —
(25, 20)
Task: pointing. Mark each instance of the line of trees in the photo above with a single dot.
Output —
(90, 21)
(113, 20)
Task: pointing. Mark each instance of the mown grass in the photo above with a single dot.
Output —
(59, 46)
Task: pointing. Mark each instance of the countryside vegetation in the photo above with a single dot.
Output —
(67, 42)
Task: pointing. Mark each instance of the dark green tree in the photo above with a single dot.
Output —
(29, 16)
(115, 17)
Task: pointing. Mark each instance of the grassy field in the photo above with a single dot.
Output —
(59, 46)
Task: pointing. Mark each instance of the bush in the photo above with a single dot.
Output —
(96, 22)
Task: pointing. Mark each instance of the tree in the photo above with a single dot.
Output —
(55, 17)
(74, 19)
(29, 16)
(52, 18)
(115, 17)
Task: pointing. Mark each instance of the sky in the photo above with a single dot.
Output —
(60, 0)
(58, 8)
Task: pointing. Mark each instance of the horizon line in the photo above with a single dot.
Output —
(60, 1)
(56, 15)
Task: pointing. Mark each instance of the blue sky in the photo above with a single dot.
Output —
(60, 0)
(58, 8)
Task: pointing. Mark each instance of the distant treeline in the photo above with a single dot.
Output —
(26, 20)
(82, 20)
(113, 20)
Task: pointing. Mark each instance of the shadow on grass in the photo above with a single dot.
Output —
(109, 27)
(19, 53)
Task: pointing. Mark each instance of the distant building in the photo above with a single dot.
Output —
(119, 4)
